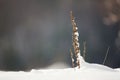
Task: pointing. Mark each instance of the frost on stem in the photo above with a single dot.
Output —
(75, 40)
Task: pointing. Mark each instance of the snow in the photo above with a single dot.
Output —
(86, 72)
(76, 33)
(83, 73)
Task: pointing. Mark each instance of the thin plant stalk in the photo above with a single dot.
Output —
(106, 55)
(73, 65)
(84, 49)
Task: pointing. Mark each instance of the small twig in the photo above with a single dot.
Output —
(84, 49)
(73, 65)
(106, 55)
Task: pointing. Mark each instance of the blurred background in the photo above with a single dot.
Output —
(37, 34)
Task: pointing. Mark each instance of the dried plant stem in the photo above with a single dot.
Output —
(75, 40)
(73, 65)
(106, 55)
(84, 49)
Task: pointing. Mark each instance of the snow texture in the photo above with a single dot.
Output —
(86, 72)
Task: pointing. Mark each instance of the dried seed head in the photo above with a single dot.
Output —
(75, 40)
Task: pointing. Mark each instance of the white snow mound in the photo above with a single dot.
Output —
(86, 72)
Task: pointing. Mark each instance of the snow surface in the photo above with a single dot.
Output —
(86, 72)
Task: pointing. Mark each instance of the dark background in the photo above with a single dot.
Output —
(35, 34)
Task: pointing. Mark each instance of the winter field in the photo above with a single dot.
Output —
(83, 71)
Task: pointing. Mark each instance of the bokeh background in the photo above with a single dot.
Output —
(37, 34)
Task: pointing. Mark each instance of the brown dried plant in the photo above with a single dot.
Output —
(75, 40)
